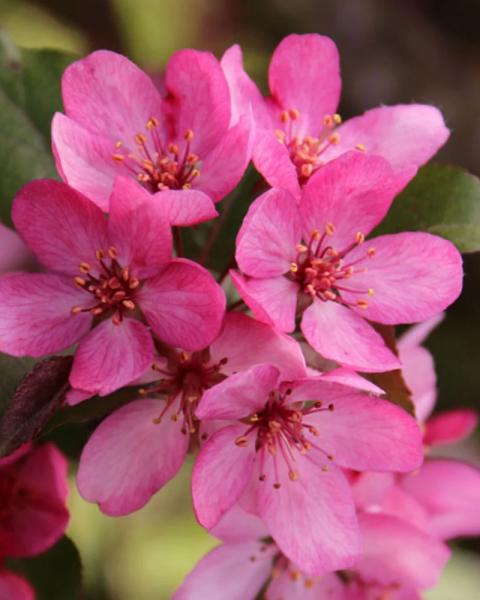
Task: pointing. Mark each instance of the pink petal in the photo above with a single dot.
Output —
(73, 396)
(185, 207)
(220, 474)
(62, 227)
(419, 373)
(199, 96)
(272, 160)
(352, 379)
(272, 300)
(419, 564)
(304, 74)
(35, 314)
(267, 240)
(233, 571)
(14, 587)
(361, 432)
(112, 356)
(271, 346)
(145, 455)
(238, 525)
(14, 254)
(85, 159)
(413, 276)
(109, 94)
(353, 193)
(294, 585)
(340, 334)
(417, 334)
(141, 234)
(313, 518)
(184, 305)
(224, 166)
(449, 427)
(450, 493)
(239, 395)
(406, 135)
(35, 524)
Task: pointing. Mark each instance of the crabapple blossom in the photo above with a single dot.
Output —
(149, 438)
(14, 587)
(297, 128)
(281, 449)
(179, 145)
(312, 260)
(106, 273)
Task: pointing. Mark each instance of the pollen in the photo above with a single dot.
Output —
(362, 304)
(329, 229)
(360, 147)
(359, 238)
(293, 267)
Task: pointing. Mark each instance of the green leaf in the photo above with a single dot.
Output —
(443, 200)
(29, 96)
(55, 574)
(35, 400)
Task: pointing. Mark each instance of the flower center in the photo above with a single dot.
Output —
(281, 432)
(186, 377)
(113, 288)
(306, 151)
(322, 272)
(159, 165)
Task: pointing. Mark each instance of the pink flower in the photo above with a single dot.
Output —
(14, 587)
(298, 129)
(181, 146)
(14, 254)
(279, 451)
(148, 439)
(312, 259)
(33, 492)
(102, 273)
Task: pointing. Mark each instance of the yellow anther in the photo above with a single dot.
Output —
(152, 123)
(370, 291)
(133, 283)
(157, 420)
(195, 173)
(143, 177)
(371, 252)
(294, 114)
(360, 147)
(359, 237)
(129, 304)
(99, 254)
(96, 311)
(254, 418)
(80, 281)
(183, 356)
(84, 267)
(118, 144)
(329, 295)
(192, 158)
(328, 120)
(293, 475)
(329, 228)
(334, 139)
(188, 135)
(293, 267)
(118, 157)
(140, 139)
(172, 148)
(241, 441)
(76, 309)
(315, 234)
(337, 119)
(280, 135)
(125, 274)
(362, 304)
(284, 116)
(112, 252)
(306, 170)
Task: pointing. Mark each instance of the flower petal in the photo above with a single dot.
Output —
(353, 193)
(238, 525)
(112, 356)
(14, 587)
(360, 431)
(450, 492)
(292, 584)
(35, 314)
(185, 207)
(109, 94)
(146, 455)
(340, 334)
(15, 256)
(418, 371)
(184, 305)
(312, 519)
(235, 344)
(267, 240)
(352, 379)
(199, 97)
(220, 474)
(413, 277)
(304, 73)
(420, 563)
(233, 571)
(449, 427)
(239, 395)
(407, 135)
(272, 300)
(62, 227)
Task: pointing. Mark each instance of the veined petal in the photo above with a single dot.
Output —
(35, 313)
(146, 453)
(340, 334)
(112, 356)
(220, 474)
(184, 305)
(185, 207)
(418, 371)
(14, 587)
(451, 426)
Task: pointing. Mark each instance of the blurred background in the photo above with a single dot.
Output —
(392, 52)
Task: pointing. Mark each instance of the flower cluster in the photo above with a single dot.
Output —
(314, 480)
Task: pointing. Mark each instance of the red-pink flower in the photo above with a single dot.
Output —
(182, 146)
(105, 273)
(33, 492)
(280, 450)
(148, 439)
(14, 587)
(312, 260)
(298, 129)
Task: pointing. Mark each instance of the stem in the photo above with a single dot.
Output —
(216, 229)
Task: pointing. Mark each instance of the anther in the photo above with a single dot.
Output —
(188, 135)
(334, 139)
(371, 252)
(128, 304)
(99, 254)
(112, 252)
(315, 234)
(360, 147)
(118, 144)
(370, 291)
(301, 248)
(277, 486)
(173, 149)
(309, 583)
(284, 116)
(328, 120)
(306, 170)
(84, 267)
(76, 309)
(125, 274)
(294, 114)
(325, 468)
(183, 357)
(280, 135)
(97, 310)
(293, 475)
(80, 281)
(362, 304)
(152, 123)
(293, 267)
(294, 575)
(133, 283)
(241, 441)
(359, 237)
(329, 229)
(331, 407)
(118, 157)
(140, 139)
(337, 119)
